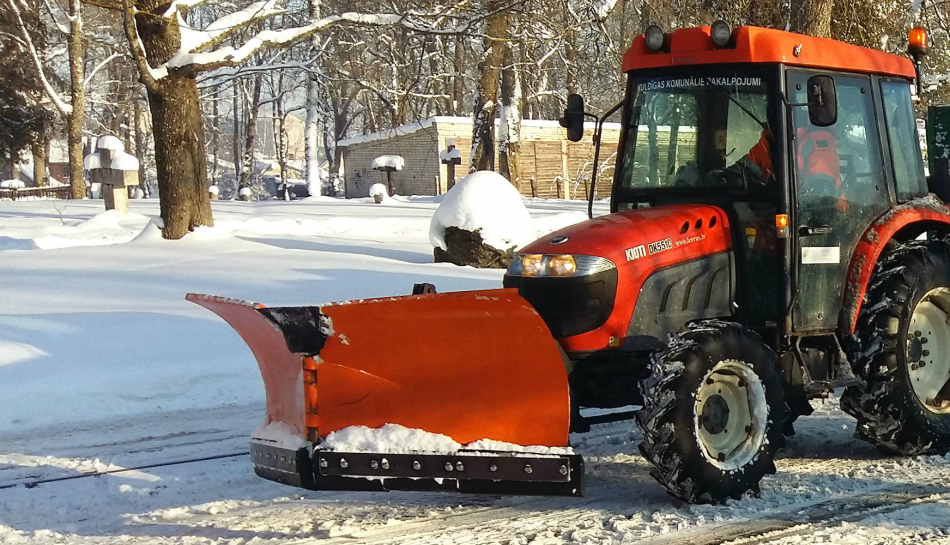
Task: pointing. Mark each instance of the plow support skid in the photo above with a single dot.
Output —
(468, 365)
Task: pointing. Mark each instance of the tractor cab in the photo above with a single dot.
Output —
(803, 142)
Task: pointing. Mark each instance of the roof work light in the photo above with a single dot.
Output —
(721, 33)
(655, 38)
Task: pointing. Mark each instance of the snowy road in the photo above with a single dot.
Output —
(834, 486)
(103, 367)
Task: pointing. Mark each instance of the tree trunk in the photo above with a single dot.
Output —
(483, 125)
(236, 133)
(180, 157)
(812, 17)
(177, 126)
(75, 120)
(509, 139)
(214, 141)
(248, 167)
(39, 164)
(458, 78)
(280, 139)
(311, 126)
(139, 141)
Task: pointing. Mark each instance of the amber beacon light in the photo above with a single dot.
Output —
(918, 43)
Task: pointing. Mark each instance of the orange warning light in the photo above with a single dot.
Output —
(918, 43)
(781, 225)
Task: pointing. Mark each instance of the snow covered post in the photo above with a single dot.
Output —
(114, 170)
(450, 157)
(389, 164)
(481, 222)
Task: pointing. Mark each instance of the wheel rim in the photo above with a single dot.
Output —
(730, 415)
(928, 349)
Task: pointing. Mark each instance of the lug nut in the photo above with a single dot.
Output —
(385, 463)
(323, 462)
(527, 468)
(562, 470)
(913, 367)
(448, 466)
(923, 340)
(925, 353)
(922, 364)
(416, 465)
(459, 466)
(917, 333)
(374, 464)
(343, 463)
(493, 468)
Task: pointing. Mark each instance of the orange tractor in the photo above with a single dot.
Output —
(772, 237)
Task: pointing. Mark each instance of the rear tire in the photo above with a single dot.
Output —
(901, 348)
(713, 413)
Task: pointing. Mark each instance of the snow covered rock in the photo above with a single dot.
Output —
(379, 192)
(481, 222)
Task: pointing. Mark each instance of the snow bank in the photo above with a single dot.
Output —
(396, 439)
(484, 200)
(394, 162)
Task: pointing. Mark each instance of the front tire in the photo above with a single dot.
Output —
(713, 413)
(901, 348)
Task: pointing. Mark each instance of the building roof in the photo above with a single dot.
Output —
(692, 46)
(410, 128)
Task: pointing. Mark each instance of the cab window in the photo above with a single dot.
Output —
(908, 166)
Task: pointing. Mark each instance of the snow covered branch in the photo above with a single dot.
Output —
(57, 100)
(149, 76)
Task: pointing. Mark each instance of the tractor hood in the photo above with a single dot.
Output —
(651, 249)
(661, 235)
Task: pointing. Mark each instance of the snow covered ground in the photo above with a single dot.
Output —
(105, 367)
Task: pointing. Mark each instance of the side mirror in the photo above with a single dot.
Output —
(822, 101)
(573, 119)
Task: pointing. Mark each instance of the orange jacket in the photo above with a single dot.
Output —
(818, 154)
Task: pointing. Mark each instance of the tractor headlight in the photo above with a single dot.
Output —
(532, 264)
(558, 265)
(561, 265)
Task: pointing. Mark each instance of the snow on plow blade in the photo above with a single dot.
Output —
(468, 365)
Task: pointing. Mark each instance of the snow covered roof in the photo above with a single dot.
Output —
(410, 128)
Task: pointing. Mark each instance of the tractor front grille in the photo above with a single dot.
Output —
(569, 305)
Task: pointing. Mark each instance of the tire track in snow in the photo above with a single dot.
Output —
(805, 519)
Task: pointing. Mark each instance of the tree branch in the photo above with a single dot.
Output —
(138, 50)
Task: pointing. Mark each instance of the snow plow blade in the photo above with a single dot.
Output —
(468, 365)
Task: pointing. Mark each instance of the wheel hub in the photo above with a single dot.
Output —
(715, 414)
(927, 349)
(730, 415)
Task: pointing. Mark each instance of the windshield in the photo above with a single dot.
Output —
(698, 131)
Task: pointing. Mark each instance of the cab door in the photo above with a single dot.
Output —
(839, 189)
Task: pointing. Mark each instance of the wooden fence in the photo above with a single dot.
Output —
(33, 193)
